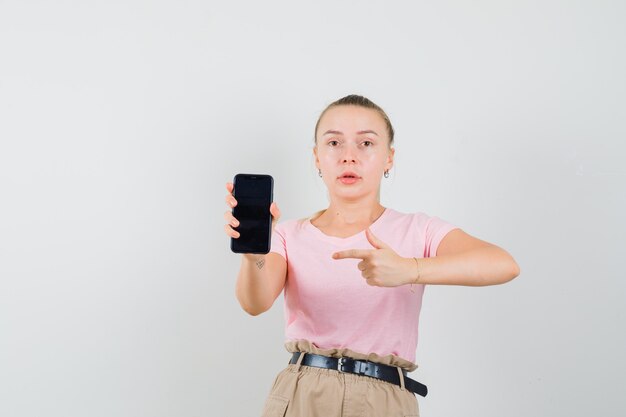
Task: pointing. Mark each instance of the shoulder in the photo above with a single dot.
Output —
(299, 223)
(416, 220)
(290, 226)
(398, 217)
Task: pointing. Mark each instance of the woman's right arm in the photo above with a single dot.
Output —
(260, 281)
(261, 277)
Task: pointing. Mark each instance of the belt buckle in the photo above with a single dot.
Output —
(340, 365)
(345, 361)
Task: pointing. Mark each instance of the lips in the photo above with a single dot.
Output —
(349, 174)
(349, 177)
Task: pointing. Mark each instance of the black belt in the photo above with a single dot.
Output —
(353, 366)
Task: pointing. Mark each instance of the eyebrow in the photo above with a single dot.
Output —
(336, 132)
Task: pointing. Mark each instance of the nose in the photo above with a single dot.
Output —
(348, 154)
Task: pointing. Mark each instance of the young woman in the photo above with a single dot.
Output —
(354, 276)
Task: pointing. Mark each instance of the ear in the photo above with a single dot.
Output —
(317, 160)
(392, 152)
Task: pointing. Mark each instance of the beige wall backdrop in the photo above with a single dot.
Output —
(121, 121)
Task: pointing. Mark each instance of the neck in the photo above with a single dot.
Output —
(349, 214)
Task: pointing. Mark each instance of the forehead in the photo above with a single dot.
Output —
(350, 119)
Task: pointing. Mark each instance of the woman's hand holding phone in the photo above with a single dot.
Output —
(231, 221)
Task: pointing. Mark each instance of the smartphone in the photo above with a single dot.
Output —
(254, 194)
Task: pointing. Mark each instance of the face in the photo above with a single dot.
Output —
(354, 139)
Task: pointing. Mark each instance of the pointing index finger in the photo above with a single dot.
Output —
(352, 253)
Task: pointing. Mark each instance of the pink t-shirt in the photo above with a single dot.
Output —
(328, 302)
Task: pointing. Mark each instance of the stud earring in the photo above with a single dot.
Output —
(320, 172)
(387, 174)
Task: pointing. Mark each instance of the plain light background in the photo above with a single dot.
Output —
(121, 122)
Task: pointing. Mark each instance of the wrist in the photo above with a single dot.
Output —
(411, 271)
(414, 276)
(253, 257)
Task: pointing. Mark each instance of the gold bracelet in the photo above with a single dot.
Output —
(418, 274)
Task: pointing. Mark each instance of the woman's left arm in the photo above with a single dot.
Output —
(465, 260)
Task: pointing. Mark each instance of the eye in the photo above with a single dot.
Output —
(370, 143)
(332, 141)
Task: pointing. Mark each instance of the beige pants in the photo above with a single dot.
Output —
(303, 391)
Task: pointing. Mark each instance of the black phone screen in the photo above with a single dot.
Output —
(254, 193)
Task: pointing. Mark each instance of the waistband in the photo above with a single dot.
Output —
(391, 374)
(302, 345)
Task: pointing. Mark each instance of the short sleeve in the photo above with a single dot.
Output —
(436, 230)
(279, 245)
